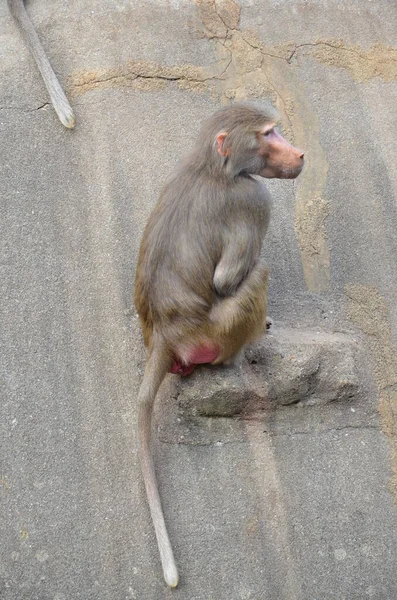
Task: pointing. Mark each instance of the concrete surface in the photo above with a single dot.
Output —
(298, 504)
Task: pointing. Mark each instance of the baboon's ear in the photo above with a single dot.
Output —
(220, 140)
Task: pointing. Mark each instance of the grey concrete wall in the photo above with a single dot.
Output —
(298, 504)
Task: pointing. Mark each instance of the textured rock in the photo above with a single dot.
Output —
(288, 366)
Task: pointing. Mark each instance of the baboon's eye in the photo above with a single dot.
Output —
(269, 132)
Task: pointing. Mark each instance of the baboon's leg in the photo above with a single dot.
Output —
(241, 318)
(234, 321)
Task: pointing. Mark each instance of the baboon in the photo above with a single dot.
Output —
(201, 286)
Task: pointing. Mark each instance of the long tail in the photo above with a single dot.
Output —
(57, 95)
(157, 366)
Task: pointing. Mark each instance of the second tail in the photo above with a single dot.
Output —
(57, 95)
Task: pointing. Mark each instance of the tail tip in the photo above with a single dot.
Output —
(68, 120)
(171, 577)
(66, 116)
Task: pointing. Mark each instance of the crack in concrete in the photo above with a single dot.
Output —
(378, 61)
(160, 77)
(219, 17)
(227, 66)
(259, 47)
(223, 21)
(152, 74)
(339, 46)
(25, 110)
